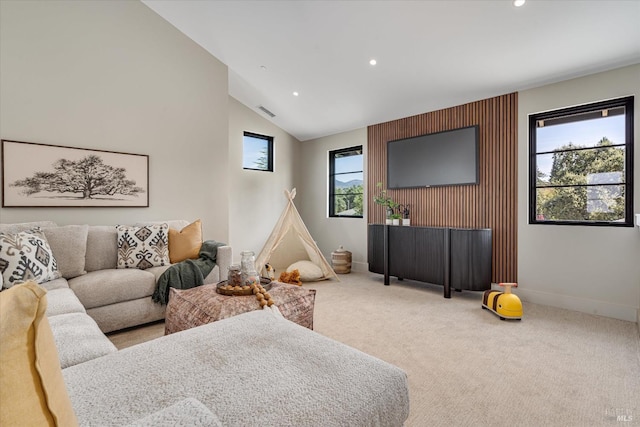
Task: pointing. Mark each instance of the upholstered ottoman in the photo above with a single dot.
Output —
(189, 308)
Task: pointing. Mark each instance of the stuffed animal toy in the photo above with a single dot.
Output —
(291, 278)
(271, 272)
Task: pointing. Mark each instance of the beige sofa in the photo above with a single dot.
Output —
(115, 298)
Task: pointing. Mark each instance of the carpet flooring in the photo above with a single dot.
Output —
(468, 368)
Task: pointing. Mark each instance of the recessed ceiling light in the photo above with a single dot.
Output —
(518, 3)
(295, 94)
(373, 62)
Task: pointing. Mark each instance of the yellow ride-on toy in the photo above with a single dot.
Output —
(504, 304)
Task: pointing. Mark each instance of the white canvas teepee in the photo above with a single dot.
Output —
(290, 241)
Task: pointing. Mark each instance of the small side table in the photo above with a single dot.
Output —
(198, 306)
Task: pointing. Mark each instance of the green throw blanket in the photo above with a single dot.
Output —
(188, 273)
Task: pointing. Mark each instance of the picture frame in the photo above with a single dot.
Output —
(42, 175)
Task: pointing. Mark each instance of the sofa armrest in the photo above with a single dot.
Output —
(224, 260)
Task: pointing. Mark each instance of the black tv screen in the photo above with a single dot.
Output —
(435, 159)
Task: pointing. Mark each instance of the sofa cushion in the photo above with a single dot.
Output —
(23, 226)
(187, 412)
(69, 246)
(31, 379)
(62, 301)
(102, 248)
(157, 271)
(103, 287)
(59, 283)
(26, 256)
(143, 247)
(186, 243)
(78, 339)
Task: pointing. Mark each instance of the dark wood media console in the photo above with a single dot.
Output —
(458, 258)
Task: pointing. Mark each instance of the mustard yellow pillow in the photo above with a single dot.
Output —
(186, 243)
(32, 390)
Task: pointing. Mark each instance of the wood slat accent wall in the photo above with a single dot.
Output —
(490, 204)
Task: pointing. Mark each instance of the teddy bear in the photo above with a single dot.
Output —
(292, 278)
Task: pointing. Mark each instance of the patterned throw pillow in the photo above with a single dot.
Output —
(26, 256)
(143, 247)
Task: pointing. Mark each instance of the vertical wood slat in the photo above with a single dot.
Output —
(490, 204)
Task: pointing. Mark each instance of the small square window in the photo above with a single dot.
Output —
(346, 183)
(257, 152)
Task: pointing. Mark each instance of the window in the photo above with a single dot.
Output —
(581, 165)
(257, 152)
(345, 182)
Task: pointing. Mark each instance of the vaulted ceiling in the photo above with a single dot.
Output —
(430, 54)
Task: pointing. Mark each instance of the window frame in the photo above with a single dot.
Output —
(332, 174)
(626, 102)
(269, 140)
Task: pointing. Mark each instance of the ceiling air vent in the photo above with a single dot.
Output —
(267, 112)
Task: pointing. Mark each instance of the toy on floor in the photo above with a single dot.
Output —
(504, 304)
(271, 272)
(292, 278)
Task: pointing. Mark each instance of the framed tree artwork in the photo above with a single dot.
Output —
(41, 175)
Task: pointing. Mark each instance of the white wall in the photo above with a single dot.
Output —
(113, 75)
(329, 233)
(589, 269)
(257, 197)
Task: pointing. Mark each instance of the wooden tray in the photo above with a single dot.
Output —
(244, 290)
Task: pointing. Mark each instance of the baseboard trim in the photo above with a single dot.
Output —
(360, 267)
(583, 305)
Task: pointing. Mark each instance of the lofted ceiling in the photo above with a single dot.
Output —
(430, 54)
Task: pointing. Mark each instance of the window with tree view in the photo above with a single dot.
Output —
(581, 165)
(345, 182)
(257, 152)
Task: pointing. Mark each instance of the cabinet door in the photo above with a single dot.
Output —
(471, 259)
(375, 255)
(429, 257)
(401, 252)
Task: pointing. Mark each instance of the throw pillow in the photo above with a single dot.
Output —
(143, 247)
(26, 256)
(186, 243)
(309, 272)
(69, 246)
(32, 389)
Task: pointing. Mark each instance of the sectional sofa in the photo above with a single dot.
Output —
(255, 369)
(87, 259)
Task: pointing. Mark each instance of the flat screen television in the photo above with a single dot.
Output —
(435, 159)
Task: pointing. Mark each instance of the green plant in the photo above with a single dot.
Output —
(396, 216)
(382, 198)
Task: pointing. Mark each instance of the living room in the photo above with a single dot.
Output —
(116, 76)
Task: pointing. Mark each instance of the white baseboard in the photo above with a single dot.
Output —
(360, 267)
(583, 305)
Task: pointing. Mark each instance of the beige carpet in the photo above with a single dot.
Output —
(468, 368)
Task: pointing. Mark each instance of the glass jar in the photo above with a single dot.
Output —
(247, 261)
(235, 275)
(248, 267)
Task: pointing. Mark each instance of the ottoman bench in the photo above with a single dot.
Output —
(198, 306)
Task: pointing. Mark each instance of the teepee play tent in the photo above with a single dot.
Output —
(290, 242)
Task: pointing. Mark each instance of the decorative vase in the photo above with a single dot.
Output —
(396, 221)
(388, 221)
(406, 221)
